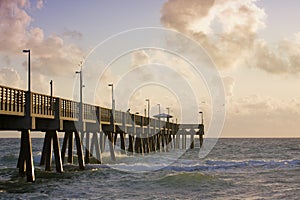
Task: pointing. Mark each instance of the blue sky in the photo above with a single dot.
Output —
(97, 20)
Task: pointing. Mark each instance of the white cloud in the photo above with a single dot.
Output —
(257, 115)
(139, 58)
(229, 83)
(50, 55)
(229, 30)
(39, 4)
(10, 77)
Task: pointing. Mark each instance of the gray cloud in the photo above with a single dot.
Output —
(72, 34)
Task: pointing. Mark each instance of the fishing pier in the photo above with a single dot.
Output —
(27, 111)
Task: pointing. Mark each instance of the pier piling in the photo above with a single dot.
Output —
(25, 161)
(51, 139)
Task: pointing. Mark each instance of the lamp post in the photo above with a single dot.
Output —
(158, 108)
(158, 111)
(168, 109)
(51, 88)
(29, 79)
(51, 95)
(148, 101)
(28, 95)
(112, 98)
(80, 93)
(201, 113)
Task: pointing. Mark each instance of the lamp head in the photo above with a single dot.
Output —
(26, 50)
(111, 84)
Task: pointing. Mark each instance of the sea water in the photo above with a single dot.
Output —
(234, 169)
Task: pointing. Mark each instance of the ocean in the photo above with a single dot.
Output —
(234, 169)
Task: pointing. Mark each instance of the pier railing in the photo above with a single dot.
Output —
(42, 106)
(13, 101)
(69, 110)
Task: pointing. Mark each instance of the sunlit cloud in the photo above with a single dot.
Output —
(51, 55)
(229, 31)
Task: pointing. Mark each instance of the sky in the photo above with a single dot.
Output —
(253, 44)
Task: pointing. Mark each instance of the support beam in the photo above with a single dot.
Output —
(25, 161)
(43, 157)
(57, 155)
(87, 147)
(51, 139)
(64, 146)
(115, 136)
(79, 151)
(130, 145)
(177, 143)
(122, 138)
(70, 147)
(158, 142)
(111, 146)
(102, 141)
(201, 140)
(192, 146)
(183, 140)
(48, 151)
(95, 145)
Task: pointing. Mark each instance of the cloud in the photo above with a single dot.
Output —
(72, 34)
(229, 83)
(229, 31)
(181, 14)
(39, 4)
(14, 23)
(51, 55)
(9, 76)
(139, 58)
(259, 115)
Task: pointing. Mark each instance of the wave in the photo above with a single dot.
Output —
(184, 179)
(252, 163)
(207, 165)
(155, 163)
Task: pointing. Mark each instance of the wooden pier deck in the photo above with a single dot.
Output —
(28, 111)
